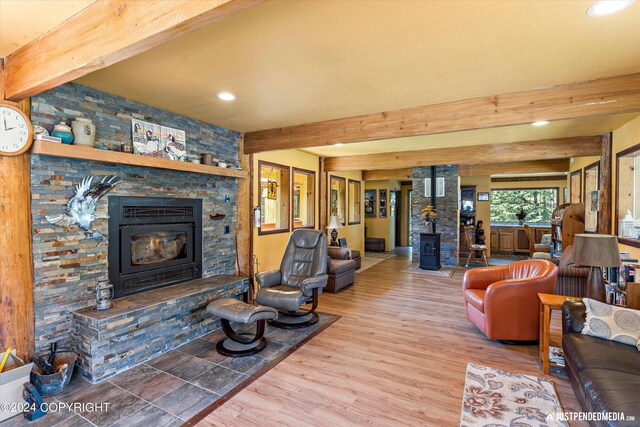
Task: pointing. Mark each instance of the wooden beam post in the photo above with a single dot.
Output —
(104, 33)
(244, 216)
(612, 95)
(323, 196)
(516, 151)
(605, 225)
(374, 175)
(530, 166)
(17, 321)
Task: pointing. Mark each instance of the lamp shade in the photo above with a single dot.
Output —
(596, 250)
(334, 222)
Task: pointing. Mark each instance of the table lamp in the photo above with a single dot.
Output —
(334, 223)
(596, 251)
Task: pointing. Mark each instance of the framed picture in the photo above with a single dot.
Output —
(146, 138)
(370, 203)
(342, 242)
(439, 187)
(174, 143)
(382, 203)
(483, 196)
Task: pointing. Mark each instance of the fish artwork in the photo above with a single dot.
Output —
(81, 207)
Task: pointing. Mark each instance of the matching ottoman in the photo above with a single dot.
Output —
(341, 274)
(374, 244)
(233, 310)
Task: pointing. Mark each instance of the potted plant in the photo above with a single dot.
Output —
(430, 215)
(521, 216)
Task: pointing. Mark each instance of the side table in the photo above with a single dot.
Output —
(548, 303)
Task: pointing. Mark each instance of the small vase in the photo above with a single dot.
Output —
(429, 228)
(521, 222)
(62, 131)
(84, 131)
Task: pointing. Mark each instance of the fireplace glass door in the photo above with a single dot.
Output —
(151, 247)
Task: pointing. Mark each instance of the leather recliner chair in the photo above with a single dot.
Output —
(503, 301)
(299, 281)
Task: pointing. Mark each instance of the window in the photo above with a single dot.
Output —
(628, 196)
(304, 207)
(537, 203)
(591, 197)
(337, 198)
(355, 201)
(274, 198)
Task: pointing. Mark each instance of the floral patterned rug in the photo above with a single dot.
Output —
(493, 397)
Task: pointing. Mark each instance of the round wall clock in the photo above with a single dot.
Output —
(16, 131)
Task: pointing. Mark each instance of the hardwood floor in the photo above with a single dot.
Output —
(398, 356)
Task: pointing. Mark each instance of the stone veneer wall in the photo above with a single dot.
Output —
(446, 207)
(67, 266)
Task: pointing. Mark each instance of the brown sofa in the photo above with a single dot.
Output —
(605, 375)
(341, 269)
(503, 301)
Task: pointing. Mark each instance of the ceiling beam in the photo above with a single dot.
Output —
(530, 166)
(611, 95)
(374, 175)
(509, 152)
(104, 33)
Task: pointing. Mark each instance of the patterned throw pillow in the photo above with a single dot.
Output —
(612, 323)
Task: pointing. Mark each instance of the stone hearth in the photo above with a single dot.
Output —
(142, 326)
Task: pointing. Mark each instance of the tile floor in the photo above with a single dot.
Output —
(169, 389)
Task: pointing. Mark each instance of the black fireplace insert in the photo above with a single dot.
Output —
(153, 242)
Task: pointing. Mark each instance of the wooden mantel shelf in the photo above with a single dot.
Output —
(89, 153)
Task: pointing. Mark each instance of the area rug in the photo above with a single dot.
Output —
(383, 255)
(368, 262)
(443, 272)
(493, 397)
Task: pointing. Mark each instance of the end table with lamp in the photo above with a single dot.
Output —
(596, 251)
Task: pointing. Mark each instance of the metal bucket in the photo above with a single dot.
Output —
(48, 385)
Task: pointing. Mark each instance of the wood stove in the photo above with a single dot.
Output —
(430, 251)
(153, 242)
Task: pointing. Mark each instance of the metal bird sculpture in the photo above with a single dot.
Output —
(82, 206)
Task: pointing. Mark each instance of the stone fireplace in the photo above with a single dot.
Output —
(153, 242)
(67, 266)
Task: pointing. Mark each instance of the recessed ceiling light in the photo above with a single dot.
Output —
(605, 7)
(339, 144)
(540, 123)
(226, 96)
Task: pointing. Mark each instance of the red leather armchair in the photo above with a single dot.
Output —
(503, 302)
